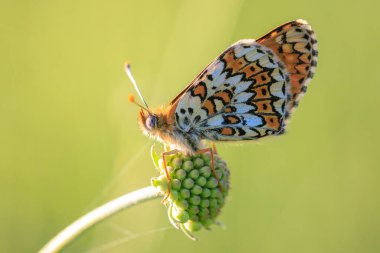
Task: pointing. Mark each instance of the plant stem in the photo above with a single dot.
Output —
(90, 219)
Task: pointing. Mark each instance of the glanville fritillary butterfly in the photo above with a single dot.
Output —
(248, 92)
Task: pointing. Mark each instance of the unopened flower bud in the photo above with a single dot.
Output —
(201, 181)
(188, 165)
(180, 174)
(205, 171)
(199, 162)
(188, 183)
(176, 184)
(194, 174)
(212, 182)
(196, 190)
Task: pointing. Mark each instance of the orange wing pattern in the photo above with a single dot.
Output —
(295, 44)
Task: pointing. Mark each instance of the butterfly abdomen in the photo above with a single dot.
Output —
(187, 143)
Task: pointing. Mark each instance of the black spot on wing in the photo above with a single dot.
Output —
(186, 121)
(197, 119)
(241, 132)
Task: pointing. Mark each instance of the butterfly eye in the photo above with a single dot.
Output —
(151, 122)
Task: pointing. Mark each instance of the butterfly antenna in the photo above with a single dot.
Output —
(127, 68)
(131, 99)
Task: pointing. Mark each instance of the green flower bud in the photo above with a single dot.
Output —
(194, 217)
(206, 193)
(174, 195)
(212, 182)
(195, 200)
(215, 193)
(205, 171)
(193, 210)
(185, 193)
(177, 162)
(213, 203)
(193, 226)
(201, 181)
(199, 162)
(207, 223)
(188, 165)
(205, 203)
(180, 215)
(188, 183)
(180, 174)
(204, 214)
(175, 184)
(213, 211)
(223, 183)
(194, 174)
(219, 173)
(182, 204)
(221, 166)
(196, 190)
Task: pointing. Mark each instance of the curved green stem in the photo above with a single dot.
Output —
(90, 219)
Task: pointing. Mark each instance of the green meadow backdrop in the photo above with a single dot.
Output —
(69, 139)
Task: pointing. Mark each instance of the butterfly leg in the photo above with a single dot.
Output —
(214, 148)
(212, 152)
(164, 154)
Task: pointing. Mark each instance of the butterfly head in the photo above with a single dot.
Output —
(148, 121)
(151, 123)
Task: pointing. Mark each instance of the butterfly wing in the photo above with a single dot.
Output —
(246, 93)
(295, 44)
(241, 95)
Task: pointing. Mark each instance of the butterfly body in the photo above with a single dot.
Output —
(246, 93)
(166, 130)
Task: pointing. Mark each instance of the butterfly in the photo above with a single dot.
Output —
(248, 92)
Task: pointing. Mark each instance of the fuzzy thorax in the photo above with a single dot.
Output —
(160, 124)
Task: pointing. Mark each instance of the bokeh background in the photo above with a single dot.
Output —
(69, 140)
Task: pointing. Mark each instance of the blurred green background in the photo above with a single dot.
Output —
(69, 140)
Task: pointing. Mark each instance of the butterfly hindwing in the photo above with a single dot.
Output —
(243, 94)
